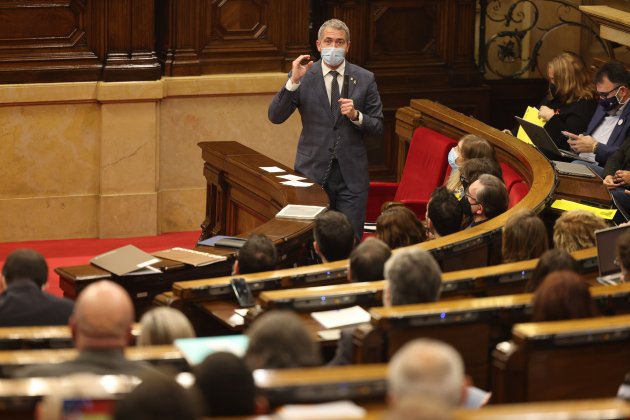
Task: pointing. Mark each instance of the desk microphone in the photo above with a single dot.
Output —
(344, 88)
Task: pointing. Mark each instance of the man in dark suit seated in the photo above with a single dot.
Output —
(487, 198)
(608, 127)
(24, 303)
(101, 329)
(617, 180)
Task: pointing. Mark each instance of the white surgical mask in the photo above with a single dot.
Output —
(452, 157)
(333, 56)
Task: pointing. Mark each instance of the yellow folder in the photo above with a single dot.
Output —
(531, 115)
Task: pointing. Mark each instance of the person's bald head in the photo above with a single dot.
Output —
(428, 369)
(103, 316)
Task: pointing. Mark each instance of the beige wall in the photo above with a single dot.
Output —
(121, 159)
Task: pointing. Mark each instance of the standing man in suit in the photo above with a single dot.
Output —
(609, 125)
(331, 149)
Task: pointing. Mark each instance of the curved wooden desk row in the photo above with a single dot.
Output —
(286, 288)
(497, 280)
(48, 337)
(242, 199)
(472, 326)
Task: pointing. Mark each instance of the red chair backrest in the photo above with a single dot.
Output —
(425, 166)
(518, 191)
(510, 176)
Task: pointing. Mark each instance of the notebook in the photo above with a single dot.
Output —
(189, 256)
(296, 211)
(127, 260)
(224, 241)
(544, 143)
(606, 239)
(574, 169)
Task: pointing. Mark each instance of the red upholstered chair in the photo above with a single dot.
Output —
(510, 176)
(424, 171)
(517, 192)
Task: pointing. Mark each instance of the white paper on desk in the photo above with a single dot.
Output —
(297, 183)
(241, 311)
(331, 410)
(291, 177)
(329, 335)
(341, 317)
(236, 320)
(272, 169)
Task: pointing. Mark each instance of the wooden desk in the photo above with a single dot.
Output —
(583, 190)
(10, 360)
(585, 358)
(48, 337)
(604, 409)
(472, 326)
(292, 386)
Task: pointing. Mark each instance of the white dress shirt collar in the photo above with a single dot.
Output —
(341, 69)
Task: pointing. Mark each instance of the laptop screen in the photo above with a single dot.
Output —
(606, 240)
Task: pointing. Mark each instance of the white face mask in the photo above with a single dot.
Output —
(333, 56)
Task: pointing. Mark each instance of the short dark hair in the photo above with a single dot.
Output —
(562, 295)
(615, 72)
(334, 235)
(623, 250)
(555, 259)
(280, 340)
(492, 195)
(257, 254)
(226, 385)
(399, 226)
(445, 211)
(368, 259)
(158, 397)
(25, 264)
(414, 277)
(472, 169)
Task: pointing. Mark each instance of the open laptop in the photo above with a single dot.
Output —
(606, 239)
(544, 142)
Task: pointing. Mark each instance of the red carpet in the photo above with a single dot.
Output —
(60, 253)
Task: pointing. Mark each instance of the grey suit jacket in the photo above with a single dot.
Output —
(319, 131)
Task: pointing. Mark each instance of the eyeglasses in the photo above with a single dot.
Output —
(604, 95)
(339, 43)
(472, 200)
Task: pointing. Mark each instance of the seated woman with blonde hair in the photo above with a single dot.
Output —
(162, 326)
(524, 237)
(570, 102)
(575, 230)
(468, 147)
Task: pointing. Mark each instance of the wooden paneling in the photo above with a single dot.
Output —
(77, 40)
(230, 36)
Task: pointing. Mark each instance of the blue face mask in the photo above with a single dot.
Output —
(333, 56)
(452, 157)
(609, 103)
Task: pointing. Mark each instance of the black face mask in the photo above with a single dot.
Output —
(466, 207)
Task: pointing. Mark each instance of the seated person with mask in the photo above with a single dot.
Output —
(607, 129)
(487, 198)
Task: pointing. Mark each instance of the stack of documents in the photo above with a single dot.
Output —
(296, 211)
(127, 260)
(189, 256)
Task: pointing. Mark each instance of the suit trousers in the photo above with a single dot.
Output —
(345, 201)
